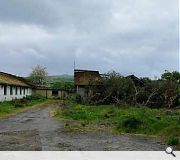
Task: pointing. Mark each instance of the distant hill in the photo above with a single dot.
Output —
(62, 78)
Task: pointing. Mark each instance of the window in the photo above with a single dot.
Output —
(16, 91)
(11, 90)
(24, 91)
(55, 93)
(20, 90)
(5, 90)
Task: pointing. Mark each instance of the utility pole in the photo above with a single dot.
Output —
(74, 64)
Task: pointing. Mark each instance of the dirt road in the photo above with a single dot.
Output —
(36, 130)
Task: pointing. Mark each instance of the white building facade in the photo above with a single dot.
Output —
(12, 87)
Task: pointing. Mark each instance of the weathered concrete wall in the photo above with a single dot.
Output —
(40, 92)
(8, 97)
(48, 93)
(85, 92)
(81, 91)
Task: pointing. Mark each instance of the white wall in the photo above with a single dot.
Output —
(8, 97)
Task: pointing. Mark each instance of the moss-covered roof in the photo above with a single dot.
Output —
(9, 79)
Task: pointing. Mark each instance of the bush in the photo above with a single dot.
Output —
(130, 124)
(71, 98)
(172, 140)
(18, 103)
(35, 97)
(79, 98)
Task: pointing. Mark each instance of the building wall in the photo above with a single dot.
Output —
(9, 97)
(81, 90)
(40, 92)
(86, 91)
(48, 93)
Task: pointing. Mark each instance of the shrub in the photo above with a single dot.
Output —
(130, 124)
(71, 98)
(79, 98)
(18, 103)
(172, 140)
(35, 97)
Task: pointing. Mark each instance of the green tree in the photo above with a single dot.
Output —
(172, 85)
(173, 76)
(118, 89)
(57, 85)
(69, 86)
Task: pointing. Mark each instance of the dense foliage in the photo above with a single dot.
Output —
(64, 85)
(63, 82)
(116, 89)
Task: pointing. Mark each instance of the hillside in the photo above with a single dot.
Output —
(62, 78)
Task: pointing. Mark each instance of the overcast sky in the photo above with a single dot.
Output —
(129, 36)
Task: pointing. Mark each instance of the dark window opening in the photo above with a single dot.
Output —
(55, 93)
(5, 90)
(20, 90)
(16, 91)
(11, 90)
(24, 90)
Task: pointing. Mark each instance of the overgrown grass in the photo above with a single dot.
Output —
(17, 105)
(126, 119)
(172, 140)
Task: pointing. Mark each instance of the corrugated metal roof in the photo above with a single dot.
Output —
(10, 79)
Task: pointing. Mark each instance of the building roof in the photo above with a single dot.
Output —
(9, 79)
(86, 77)
(136, 80)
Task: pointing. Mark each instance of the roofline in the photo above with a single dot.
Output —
(8, 74)
(83, 70)
(28, 86)
(59, 89)
(20, 78)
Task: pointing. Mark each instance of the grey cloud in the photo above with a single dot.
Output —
(39, 12)
(130, 36)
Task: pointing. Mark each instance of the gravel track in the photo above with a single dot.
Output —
(35, 130)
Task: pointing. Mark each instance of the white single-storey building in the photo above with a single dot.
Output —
(13, 87)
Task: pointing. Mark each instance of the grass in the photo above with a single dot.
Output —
(172, 141)
(125, 119)
(12, 107)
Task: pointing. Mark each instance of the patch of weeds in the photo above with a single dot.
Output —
(109, 114)
(172, 131)
(19, 103)
(172, 140)
(130, 124)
